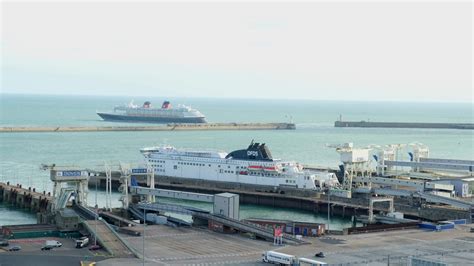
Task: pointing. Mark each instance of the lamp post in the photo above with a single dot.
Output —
(329, 207)
(143, 242)
(95, 235)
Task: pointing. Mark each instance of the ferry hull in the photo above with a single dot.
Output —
(147, 119)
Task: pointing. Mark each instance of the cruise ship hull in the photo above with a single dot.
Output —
(150, 119)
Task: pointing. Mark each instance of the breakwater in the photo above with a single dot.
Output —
(168, 127)
(403, 125)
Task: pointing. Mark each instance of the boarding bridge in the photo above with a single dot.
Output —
(106, 235)
(448, 161)
(449, 201)
(172, 194)
(63, 198)
(418, 185)
(164, 207)
(440, 164)
(69, 182)
(108, 238)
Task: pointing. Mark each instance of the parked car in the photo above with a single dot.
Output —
(3, 243)
(14, 248)
(47, 247)
(320, 255)
(95, 247)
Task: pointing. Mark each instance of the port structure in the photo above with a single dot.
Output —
(225, 211)
(355, 163)
(419, 181)
(373, 200)
(67, 183)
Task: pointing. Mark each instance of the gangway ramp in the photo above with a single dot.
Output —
(108, 239)
(433, 165)
(259, 231)
(165, 207)
(166, 193)
(449, 161)
(106, 235)
(450, 201)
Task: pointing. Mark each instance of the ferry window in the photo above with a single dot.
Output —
(175, 167)
(209, 165)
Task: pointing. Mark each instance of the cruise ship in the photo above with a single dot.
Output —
(253, 165)
(148, 114)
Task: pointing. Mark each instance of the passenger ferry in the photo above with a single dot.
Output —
(149, 114)
(253, 165)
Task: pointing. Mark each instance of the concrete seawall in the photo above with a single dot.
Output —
(403, 125)
(168, 127)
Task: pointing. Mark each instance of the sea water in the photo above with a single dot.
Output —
(21, 154)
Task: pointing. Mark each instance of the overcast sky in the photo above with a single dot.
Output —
(318, 50)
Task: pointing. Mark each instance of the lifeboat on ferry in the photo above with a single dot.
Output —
(255, 167)
(273, 168)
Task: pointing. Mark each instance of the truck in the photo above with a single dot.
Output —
(82, 242)
(277, 257)
(53, 243)
(310, 262)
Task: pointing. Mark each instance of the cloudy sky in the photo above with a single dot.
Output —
(311, 50)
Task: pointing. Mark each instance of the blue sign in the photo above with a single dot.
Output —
(70, 173)
(139, 171)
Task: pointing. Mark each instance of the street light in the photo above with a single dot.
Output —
(144, 224)
(95, 234)
(329, 207)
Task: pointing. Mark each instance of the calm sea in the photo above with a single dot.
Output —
(22, 153)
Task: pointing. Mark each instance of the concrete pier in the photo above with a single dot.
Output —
(168, 127)
(25, 198)
(403, 125)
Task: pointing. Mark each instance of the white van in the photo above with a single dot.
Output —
(82, 242)
(53, 243)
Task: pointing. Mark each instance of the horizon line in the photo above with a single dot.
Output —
(237, 98)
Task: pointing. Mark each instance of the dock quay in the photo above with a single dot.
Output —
(403, 125)
(220, 237)
(313, 201)
(25, 198)
(168, 127)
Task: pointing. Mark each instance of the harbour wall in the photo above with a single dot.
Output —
(403, 125)
(25, 198)
(168, 127)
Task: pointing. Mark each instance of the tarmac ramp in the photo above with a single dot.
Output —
(108, 239)
(249, 228)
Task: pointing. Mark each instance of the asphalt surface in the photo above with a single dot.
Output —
(31, 253)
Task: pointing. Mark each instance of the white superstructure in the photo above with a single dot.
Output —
(253, 165)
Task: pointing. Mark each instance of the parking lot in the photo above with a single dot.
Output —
(31, 253)
(191, 246)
